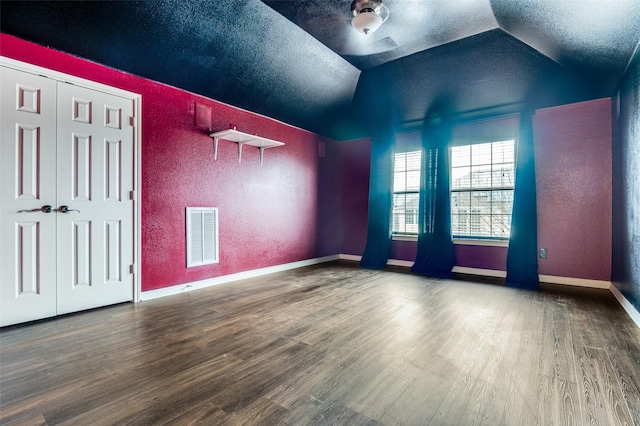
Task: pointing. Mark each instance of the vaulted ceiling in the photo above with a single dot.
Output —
(300, 61)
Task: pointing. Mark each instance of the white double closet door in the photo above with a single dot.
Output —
(66, 197)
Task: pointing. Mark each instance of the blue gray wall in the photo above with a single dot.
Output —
(626, 186)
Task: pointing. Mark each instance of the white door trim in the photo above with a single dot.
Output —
(137, 144)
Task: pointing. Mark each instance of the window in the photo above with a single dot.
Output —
(482, 178)
(406, 192)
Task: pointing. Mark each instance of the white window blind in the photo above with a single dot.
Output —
(482, 182)
(406, 192)
(202, 236)
(482, 169)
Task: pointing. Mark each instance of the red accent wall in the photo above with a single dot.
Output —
(268, 215)
(573, 181)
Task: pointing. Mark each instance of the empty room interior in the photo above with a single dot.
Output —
(418, 212)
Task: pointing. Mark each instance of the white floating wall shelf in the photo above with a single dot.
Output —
(242, 138)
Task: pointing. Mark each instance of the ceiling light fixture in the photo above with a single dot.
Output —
(368, 15)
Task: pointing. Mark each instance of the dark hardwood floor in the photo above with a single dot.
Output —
(331, 344)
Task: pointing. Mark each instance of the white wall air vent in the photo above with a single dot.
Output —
(202, 236)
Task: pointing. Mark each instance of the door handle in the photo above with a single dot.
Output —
(44, 209)
(66, 209)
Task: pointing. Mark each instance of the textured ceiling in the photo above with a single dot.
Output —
(412, 26)
(499, 75)
(239, 52)
(302, 63)
(596, 38)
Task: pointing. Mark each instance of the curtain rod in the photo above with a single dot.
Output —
(490, 113)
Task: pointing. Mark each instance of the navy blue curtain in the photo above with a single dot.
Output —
(522, 256)
(435, 256)
(378, 248)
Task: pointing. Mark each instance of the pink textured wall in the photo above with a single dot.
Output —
(573, 181)
(268, 215)
(355, 160)
(482, 257)
(470, 256)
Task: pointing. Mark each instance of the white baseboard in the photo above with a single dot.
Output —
(181, 288)
(478, 271)
(390, 262)
(350, 257)
(582, 282)
(396, 262)
(579, 282)
(631, 310)
(458, 269)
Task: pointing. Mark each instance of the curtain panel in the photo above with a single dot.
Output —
(378, 248)
(435, 252)
(522, 255)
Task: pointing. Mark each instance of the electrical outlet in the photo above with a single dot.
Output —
(543, 253)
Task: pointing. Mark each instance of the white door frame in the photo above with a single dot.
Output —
(137, 145)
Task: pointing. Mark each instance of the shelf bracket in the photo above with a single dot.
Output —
(242, 138)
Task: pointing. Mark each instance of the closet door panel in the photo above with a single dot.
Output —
(28, 183)
(95, 178)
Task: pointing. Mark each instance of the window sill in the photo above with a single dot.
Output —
(480, 242)
(402, 237)
(458, 241)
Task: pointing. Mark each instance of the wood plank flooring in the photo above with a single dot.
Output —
(331, 344)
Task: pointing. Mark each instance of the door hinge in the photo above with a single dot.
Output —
(132, 195)
(132, 121)
(132, 269)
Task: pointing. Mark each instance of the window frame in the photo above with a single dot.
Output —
(472, 239)
(398, 235)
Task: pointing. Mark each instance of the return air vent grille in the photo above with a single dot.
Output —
(202, 236)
